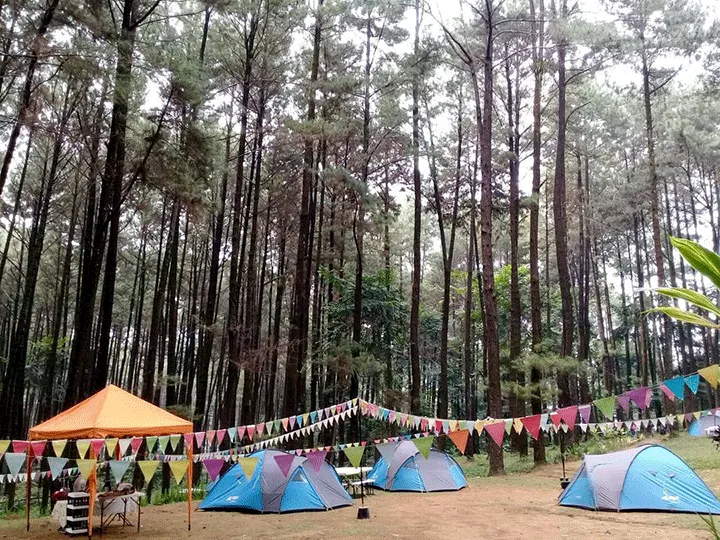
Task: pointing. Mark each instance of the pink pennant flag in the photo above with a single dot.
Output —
(424, 424)
(260, 429)
(284, 461)
(221, 435)
(19, 447)
(669, 393)
(135, 443)
(240, 433)
(199, 438)
(250, 432)
(640, 397)
(210, 435)
(624, 401)
(38, 447)
(298, 452)
(284, 422)
(188, 440)
(496, 431)
(292, 422)
(213, 467)
(317, 459)
(97, 445)
(584, 411)
(568, 415)
(532, 424)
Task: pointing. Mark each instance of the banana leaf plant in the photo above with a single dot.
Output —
(708, 264)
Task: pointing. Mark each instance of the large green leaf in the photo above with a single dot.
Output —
(694, 298)
(703, 260)
(684, 316)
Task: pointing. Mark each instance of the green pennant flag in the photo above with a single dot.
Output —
(4, 445)
(276, 426)
(83, 445)
(163, 443)
(110, 446)
(354, 454)
(606, 406)
(178, 469)
(248, 466)
(148, 469)
(151, 442)
(85, 466)
(174, 441)
(423, 444)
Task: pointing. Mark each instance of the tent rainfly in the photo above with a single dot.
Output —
(112, 412)
(648, 477)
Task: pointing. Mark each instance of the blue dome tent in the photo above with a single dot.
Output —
(649, 477)
(405, 469)
(698, 427)
(270, 490)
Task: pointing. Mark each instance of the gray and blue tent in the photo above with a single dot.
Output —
(698, 427)
(403, 468)
(269, 490)
(649, 477)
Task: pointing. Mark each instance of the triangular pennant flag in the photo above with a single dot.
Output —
(508, 425)
(178, 468)
(199, 438)
(163, 443)
(124, 444)
(555, 418)
(210, 436)
(38, 447)
(284, 462)
(470, 426)
(284, 422)
(517, 426)
(584, 411)
(496, 431)
(83, 445)
(532, 424)
(150, 443)
(640, 397)
(677, 386)
(568, 415)
(696, 414)
(693, 381)
(118, 469)
(19, 447)
(354, 455)
(148, 469)
(232, 434)
(250, 432)
(710, 374)
(240, 433)
(110, 446)
(317, 459)
(14, 461)
(85, 467)
(459, 439)
(213, 467)
(624, 401)
(248, 466)
(583, 427)
(56, 465)
(97, 445)
(4, 445)
(668, 393)
(680, 418)
(260, 429)
(479, 426)
(606, 406)
(135, 444)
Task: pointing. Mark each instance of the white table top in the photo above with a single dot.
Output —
(352, 471)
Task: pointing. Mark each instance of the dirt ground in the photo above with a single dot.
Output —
(516, 506)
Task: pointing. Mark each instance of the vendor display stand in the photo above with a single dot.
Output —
(78, 510)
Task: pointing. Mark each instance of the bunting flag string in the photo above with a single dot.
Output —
(178, 469)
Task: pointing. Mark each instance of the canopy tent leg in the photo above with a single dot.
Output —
(92, 491)
(28, 485)
(189, 452)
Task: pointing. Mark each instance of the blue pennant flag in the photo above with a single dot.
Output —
(693, 381)
(313, 415)
(14, 461)
(677, 386)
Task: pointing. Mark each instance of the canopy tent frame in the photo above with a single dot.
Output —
(105, 424)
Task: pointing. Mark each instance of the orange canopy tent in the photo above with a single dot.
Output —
(112, 412)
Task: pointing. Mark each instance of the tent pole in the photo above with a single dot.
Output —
(92, 490)
(189, 452)
(28, 485)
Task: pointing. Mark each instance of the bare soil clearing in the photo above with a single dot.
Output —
(515, 506)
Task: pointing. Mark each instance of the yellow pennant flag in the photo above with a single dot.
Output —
(710, 374)
(59, 447)
(83, 445)
(148, 469)
(680, 418)
(178, 469)
(479, 425)
(4, 445)
(248, 466)
(86, 467)
(696, 414)
(518, 426)
(111, 445)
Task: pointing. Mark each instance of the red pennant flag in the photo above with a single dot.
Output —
(250, 432)
(438, 426)
(19, 447)
(316, 459)
(284, 461)
(188, 440)
(38, 447)
(97, 445)
(460, 439)
(260, 429)
(568, 415)
(221, 435)
(555, 417)
(496, 431)
(532, 424)
(135, 443)
(240, 433)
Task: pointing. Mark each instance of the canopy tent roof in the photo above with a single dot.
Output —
(112, 412)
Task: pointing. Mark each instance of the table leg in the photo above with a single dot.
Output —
(139, 512)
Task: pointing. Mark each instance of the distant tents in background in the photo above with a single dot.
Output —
(649, 477)
(698, 427)
(289, 483)
(405, 469)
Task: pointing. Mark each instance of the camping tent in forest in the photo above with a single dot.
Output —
(112, 412)
(403, 468)
(648, 477)
(698, 427)
(279, 482)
